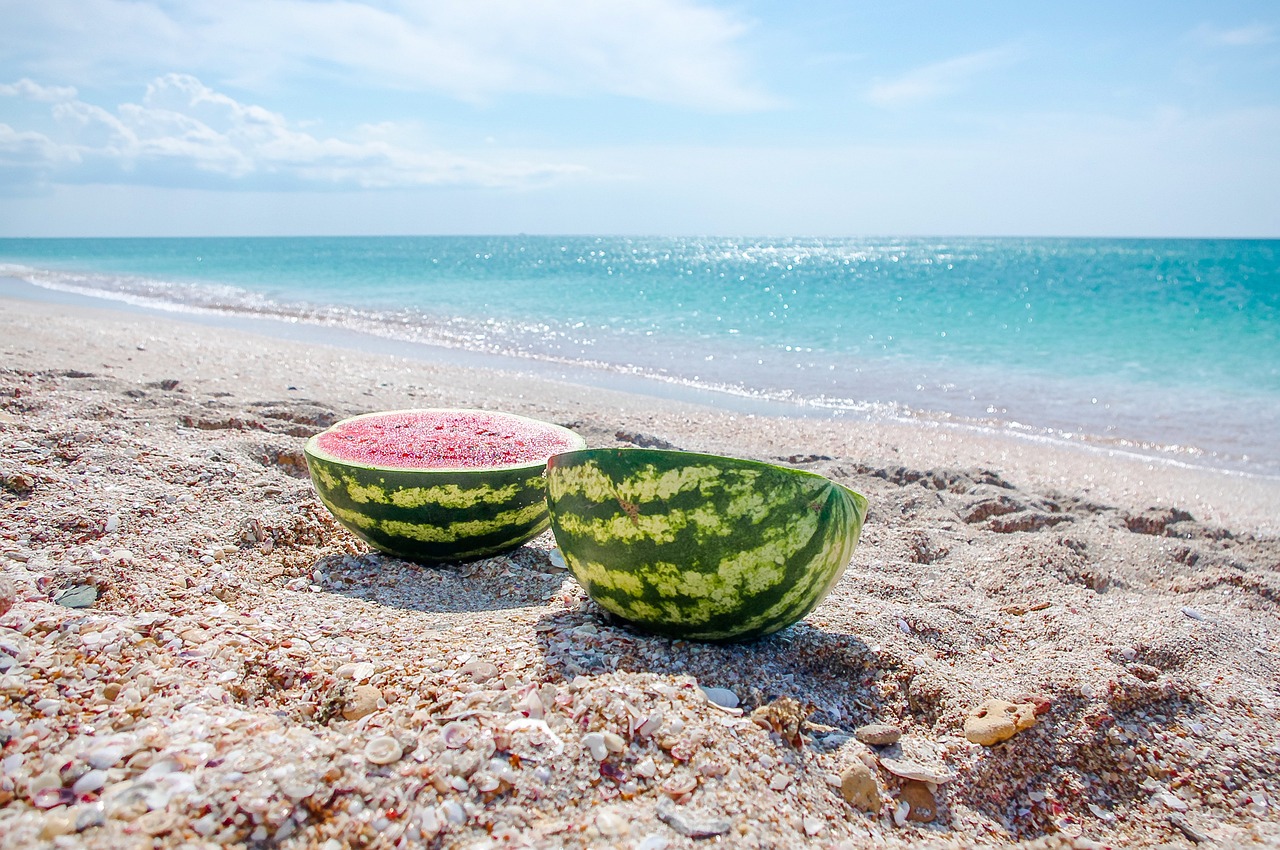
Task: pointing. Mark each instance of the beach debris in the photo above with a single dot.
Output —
(996, 720)
(878, 734)
(690, 826)
(916, 794)
(77, 596)
(785, 716)
(860, 787)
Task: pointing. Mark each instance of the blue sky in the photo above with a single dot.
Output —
(163, 117)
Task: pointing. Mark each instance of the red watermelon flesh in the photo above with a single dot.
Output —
(444, 439)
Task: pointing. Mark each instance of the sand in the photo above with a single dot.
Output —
(193, 653)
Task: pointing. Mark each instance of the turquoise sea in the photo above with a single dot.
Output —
(1163, 347)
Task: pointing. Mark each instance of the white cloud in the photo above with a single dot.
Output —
(31, 90)
(185, 133)
(669, 51)
(940, 78)
(1246, 36)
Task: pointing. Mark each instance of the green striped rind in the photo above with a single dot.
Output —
(701, 546)
(434, 516)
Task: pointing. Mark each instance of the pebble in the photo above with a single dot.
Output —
(79, 596)
(878, 734)
(383, 750)
(479, 671)
(690, 826)
(996, 720)
(860, 788)
(924, 808)
(362, 702)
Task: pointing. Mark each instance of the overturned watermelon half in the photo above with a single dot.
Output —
(701, 546)
(438, 485)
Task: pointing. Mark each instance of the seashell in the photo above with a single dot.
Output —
(914, 770)
(594, 742)
(679, 784)
(651, 725)
(614, 742)
(297, 787)
(105, 757)
(92, 781)
(456, 734)
(383, 749)
(47, 798)
(248, 761)
(722, 697)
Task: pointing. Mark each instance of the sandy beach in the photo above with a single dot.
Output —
(193, 653)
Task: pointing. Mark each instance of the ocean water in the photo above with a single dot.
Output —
(1163, 347)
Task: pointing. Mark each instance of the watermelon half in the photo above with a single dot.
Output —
(438, 485)
(701, 546)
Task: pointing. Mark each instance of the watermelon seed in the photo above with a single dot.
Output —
(631, 509)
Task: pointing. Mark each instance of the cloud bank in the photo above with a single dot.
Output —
(184, 133)
(665, 51)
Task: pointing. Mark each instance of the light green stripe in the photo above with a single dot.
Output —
(428, 533)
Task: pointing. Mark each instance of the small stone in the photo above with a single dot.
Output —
(996, 720)
(860, 788)
(813, 826)
(924, 808)
(363, 701)
(383, 750)
(779, 782)
(691, 827)
(479, 671)
(878, 734)
(79, 596)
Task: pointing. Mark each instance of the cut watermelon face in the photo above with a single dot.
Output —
(438, 485)
(700, 546)
(444, 439)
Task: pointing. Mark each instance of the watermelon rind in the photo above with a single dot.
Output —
(699, 546)
(438, 515)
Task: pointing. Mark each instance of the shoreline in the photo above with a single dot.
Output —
(241, 670)
(616, 380)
